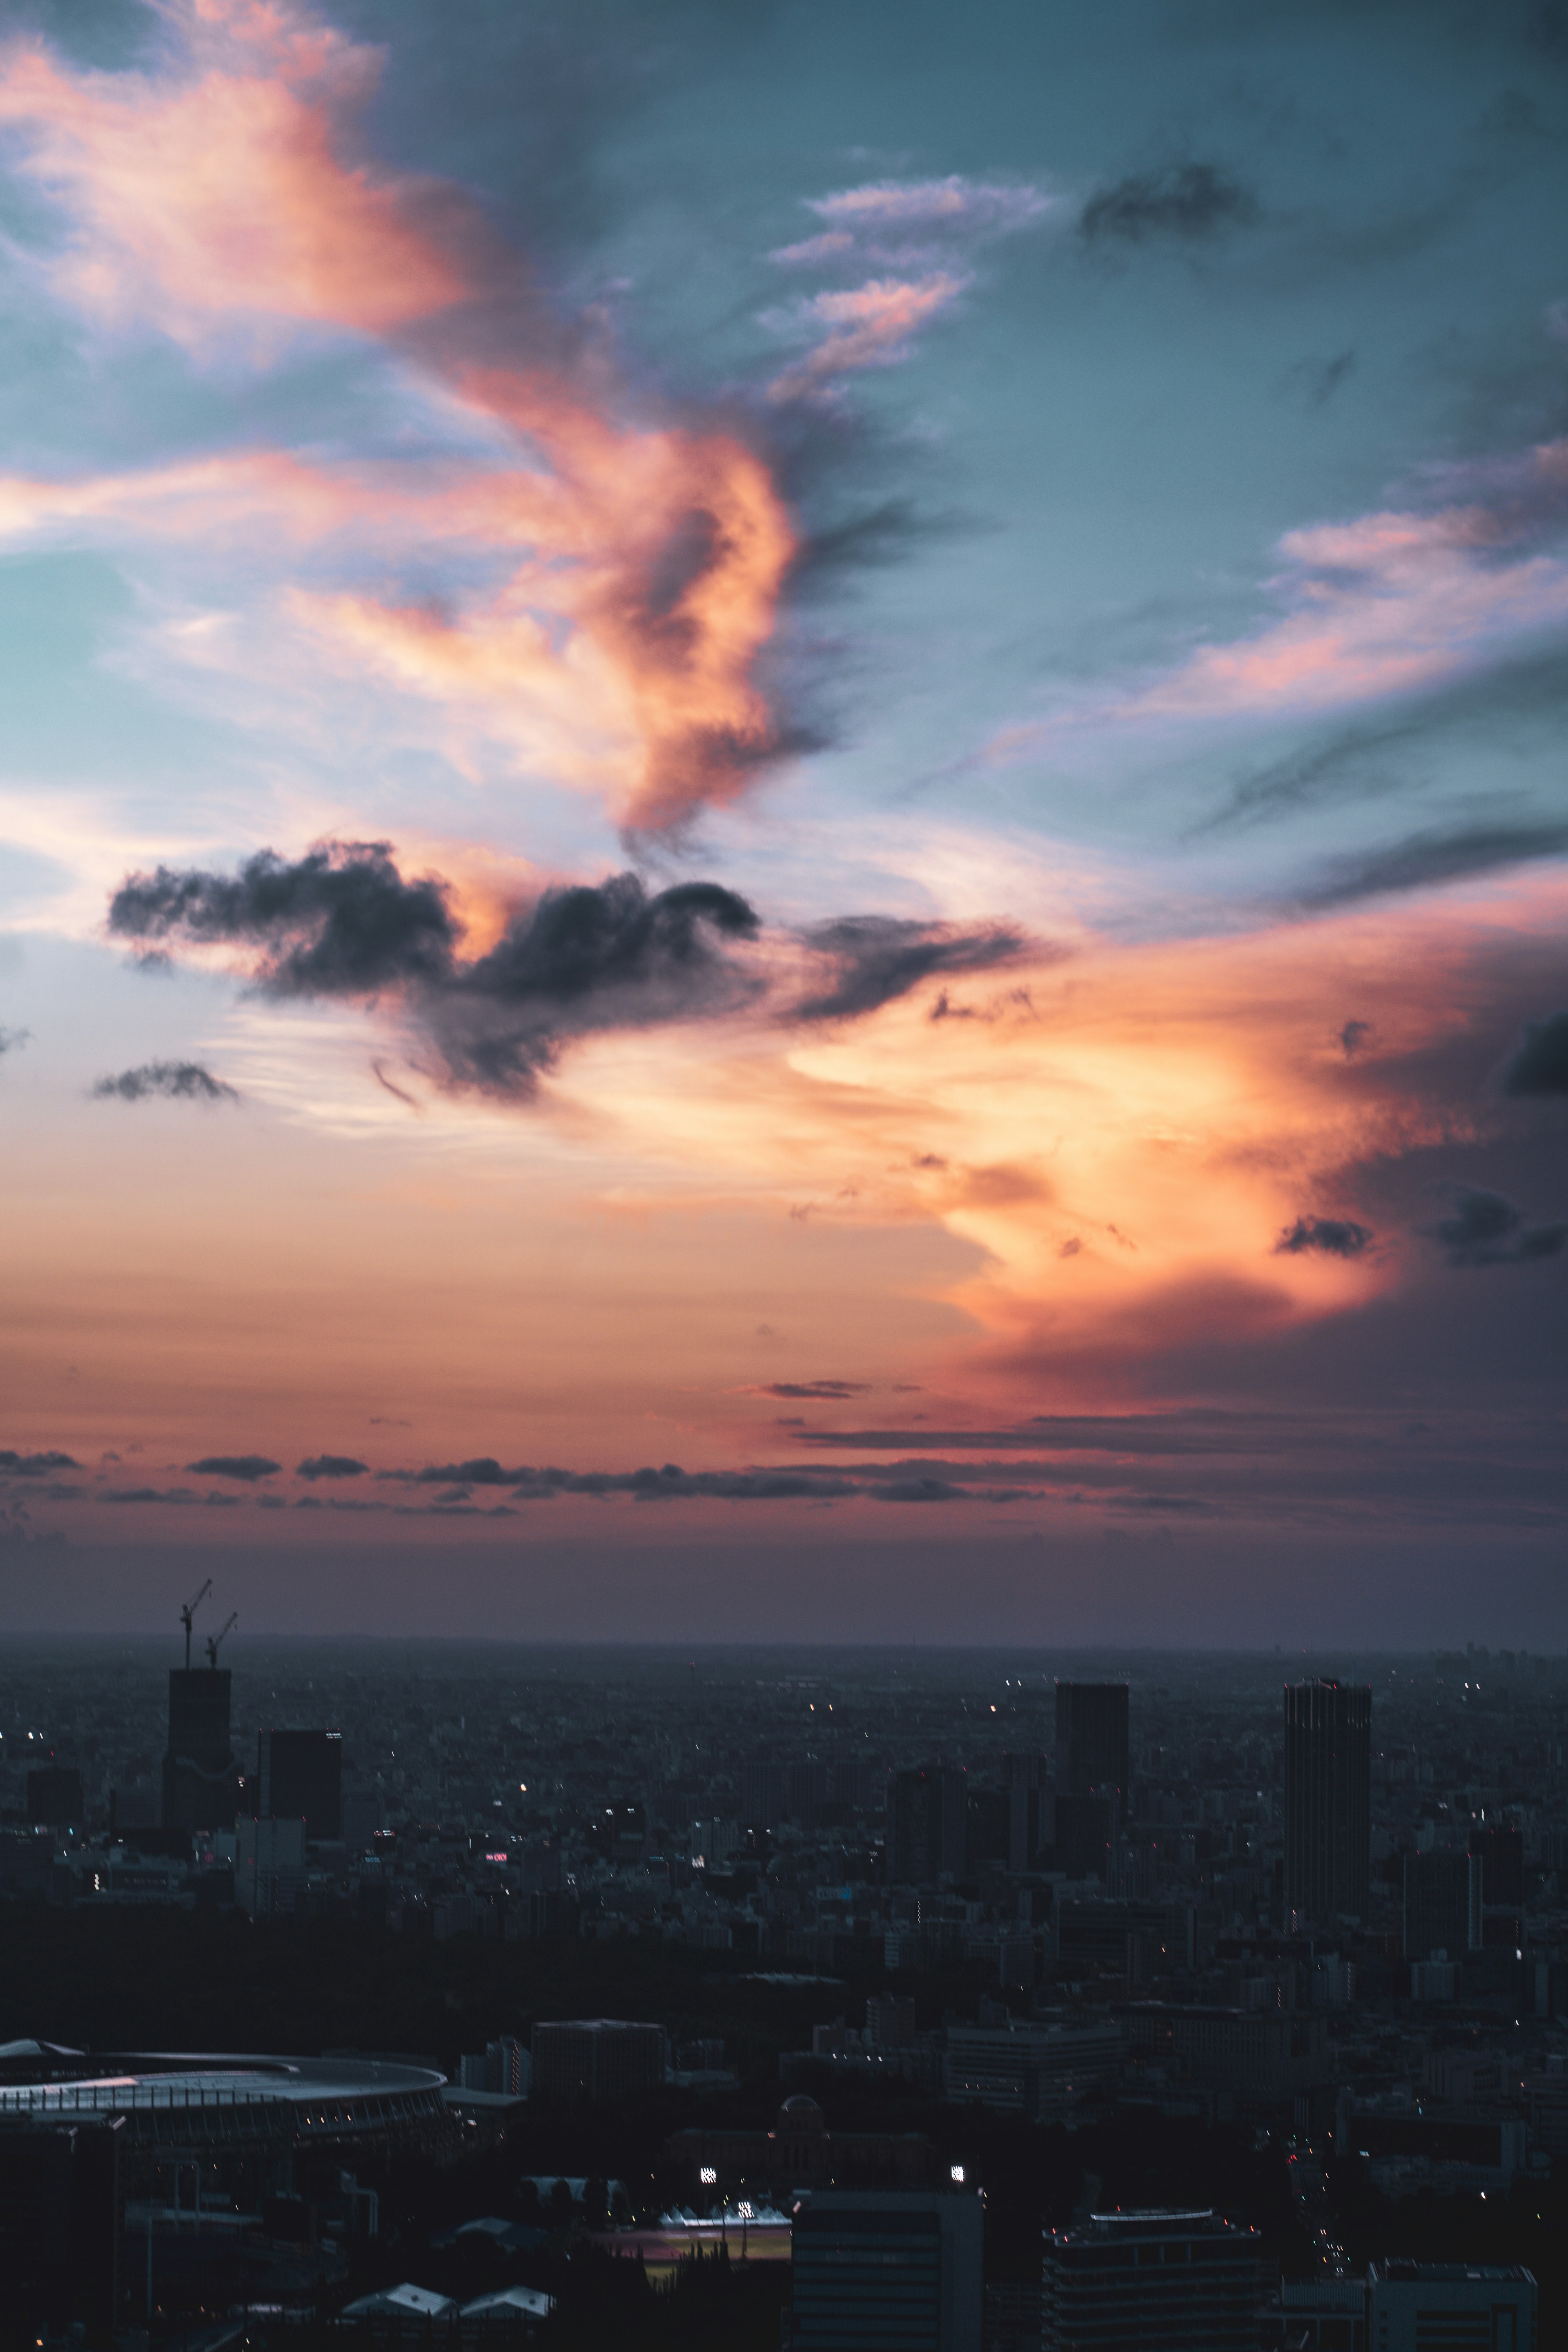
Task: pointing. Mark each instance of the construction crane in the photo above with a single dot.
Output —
(215, 1639)
(187, 1612)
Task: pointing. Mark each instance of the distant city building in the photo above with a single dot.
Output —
(887, 2271)
(268, 1865)
(1044, 2071)
(201, 1777)
(55, 1796)
(595, 2059)
(1442, 1911)
(1262, 2053)
(800, 2152)
(928, 1826)
(1026, 1781)
(762, 1789)
(1091, 1742)
(1151, 2281)
(1328, 1800)
(1449, 2307)
(1500, 1851)
(300, 1777)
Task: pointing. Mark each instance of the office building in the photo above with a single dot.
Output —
(1153, 2281)
(896, 2271)
(1091, 1743)
(1259, 2053)
(1084, 1834)
(927, 1827)
(762, 1792)
(1442, 1905)
(268, 1865)
(1026, 1779)
(201, 1777)
(300, 1778)
(1449, 2307)
(595, 2059)
(54, 1798)
(1328, 1801)
(1044, 2071)
(1502, 1852)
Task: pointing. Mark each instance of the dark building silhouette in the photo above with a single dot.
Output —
(54, 1797)
(1084, 1834)
(800, 2152)
(887, 2270)
(927, 1824)
(1502, 1852)
(200, 1778)
(1442, 1905)
(595, 2059)
(300, 1778)
(763, 1793)
(1026, 1779)
(1091, 1742)
(1151, 2282)
(61, 2224)
(1328, 1799)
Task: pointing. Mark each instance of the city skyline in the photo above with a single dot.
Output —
(783, 849)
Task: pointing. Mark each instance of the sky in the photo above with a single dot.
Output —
(783, 836)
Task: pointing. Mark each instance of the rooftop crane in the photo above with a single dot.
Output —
(187, 1612)
(214, 1639)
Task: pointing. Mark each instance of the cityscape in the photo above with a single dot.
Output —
(550, 1974)
(783, 1272)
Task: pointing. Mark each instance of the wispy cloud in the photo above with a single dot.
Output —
(926, 230)
(166, 1082)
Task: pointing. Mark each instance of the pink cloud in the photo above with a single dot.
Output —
(1390, 602)
(955, 203)
(868, 326)
(227, 184)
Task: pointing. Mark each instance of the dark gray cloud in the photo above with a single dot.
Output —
(169, 1081)
(340, 921)
(1334, 1236)
(247, 1466)
(1330, 377)
(34, 1465)
(11, 1040)
(871, 959)
(1186, 201)
(1541, 1065)
(331, 1465)
(1486, 1229)
(817, 1390)
(1424, 860)
(1354, 1036)
(343, 921)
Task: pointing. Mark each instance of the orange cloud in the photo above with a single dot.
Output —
(621, 651)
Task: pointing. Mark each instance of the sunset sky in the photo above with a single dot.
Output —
(782, 832)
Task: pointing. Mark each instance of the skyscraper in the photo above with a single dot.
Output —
(928, 1819)
(300, 1778)
(1091, 1742)
(1151, 2281)
(200, 1778)
(885, 2271)
(1328, 1799)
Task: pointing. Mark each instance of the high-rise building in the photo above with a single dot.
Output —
(55, 1796)
(884, 2270)
(1328, 1800)
(200, 1778)
(928, 1819)
(595, 2059)
(1091, 1742)
(1459, 2306)
(300, 1778)
(1153, 2281)
(1501, 1850)
(1026, 1779)
(761, 1795)
(1443, 1917)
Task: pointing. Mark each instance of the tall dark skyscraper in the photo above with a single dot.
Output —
(200, 1778)
(929, 1812)
(1328, 1799)
(1091, 1741)
(300, 1778)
